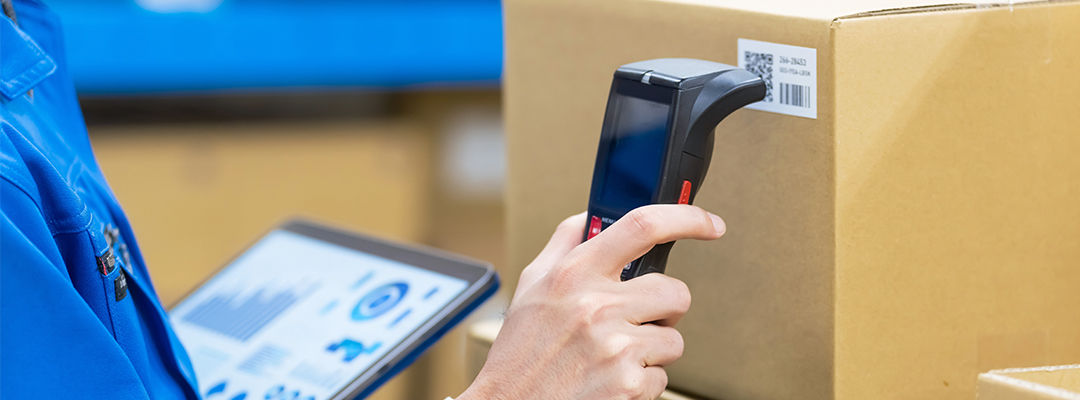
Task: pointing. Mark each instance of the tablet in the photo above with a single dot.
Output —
(311, 313)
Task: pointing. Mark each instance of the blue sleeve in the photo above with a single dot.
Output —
(51, 344)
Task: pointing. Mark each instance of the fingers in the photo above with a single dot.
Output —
(655, 381)
(663, 344)
(641, 229)
(567, 235)
(656, 298)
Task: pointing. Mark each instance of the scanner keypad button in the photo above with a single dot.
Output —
(594, 227)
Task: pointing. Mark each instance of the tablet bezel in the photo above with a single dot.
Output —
(481, 278)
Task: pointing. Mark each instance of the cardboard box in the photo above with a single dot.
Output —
(482, 334)
(1040, 383)
(922, 226)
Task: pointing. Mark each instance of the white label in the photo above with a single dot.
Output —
(790, 74)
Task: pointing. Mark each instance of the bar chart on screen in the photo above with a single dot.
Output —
(240, 314)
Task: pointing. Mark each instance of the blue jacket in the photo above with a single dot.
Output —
(79, 318)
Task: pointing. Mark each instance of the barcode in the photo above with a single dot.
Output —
(762, 65)
(789, 73)
(795, 95)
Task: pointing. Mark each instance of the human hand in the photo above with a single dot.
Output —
(575, 331)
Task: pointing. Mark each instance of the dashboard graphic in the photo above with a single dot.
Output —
(379, 301)
(240, 317)
(219, 389)
(352, 348)
(272, 330)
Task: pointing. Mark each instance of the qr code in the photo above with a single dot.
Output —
(761, 64)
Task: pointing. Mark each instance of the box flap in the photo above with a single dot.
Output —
(1056, 382)
(846, 9)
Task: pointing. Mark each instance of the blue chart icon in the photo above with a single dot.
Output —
(220, 389)
(379, 301)
(279, 392)
(217, 389)
(352, 348)
(240, 317)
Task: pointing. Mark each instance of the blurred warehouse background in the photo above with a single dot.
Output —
(216, 119)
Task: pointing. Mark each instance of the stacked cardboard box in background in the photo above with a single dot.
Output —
(911, 221)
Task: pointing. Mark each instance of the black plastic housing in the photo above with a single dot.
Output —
(701, 94)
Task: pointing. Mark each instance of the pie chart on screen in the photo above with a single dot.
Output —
(379, 301)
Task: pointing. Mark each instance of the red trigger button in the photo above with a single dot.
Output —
(594, 227)
(684, 195)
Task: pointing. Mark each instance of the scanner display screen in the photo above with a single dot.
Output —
(635, 153)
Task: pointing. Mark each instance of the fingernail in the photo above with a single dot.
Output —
(718, 224)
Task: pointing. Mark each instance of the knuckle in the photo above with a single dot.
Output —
(676, 343)
(706, 220)
(563, 279)
(589, 308)
(528, 274)
(568, 223)
(662, 379)
(612, 347)
(562, 275)
(632, 384)
(673, 291)
(644, 221)
(680, 296)
(576, 260)
(566, 275)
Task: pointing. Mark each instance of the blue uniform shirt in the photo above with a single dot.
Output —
(79, 318)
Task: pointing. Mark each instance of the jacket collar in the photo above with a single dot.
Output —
(23, 64)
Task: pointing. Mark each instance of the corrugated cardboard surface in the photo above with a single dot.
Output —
(831, 9)
(1040, 383)
(921, 229)
(958, 220)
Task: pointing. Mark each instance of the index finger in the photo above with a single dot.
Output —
(644, 227)
(567, 236)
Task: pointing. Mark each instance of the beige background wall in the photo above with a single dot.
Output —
(200, 183)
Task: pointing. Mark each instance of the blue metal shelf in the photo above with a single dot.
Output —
(118, 46)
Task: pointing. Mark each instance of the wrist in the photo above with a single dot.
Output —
(478, 390)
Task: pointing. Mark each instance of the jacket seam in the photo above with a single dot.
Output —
(25, 193)
(15, 180)
(54, 222)
(25, 80)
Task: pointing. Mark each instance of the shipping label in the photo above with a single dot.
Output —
(790, 74)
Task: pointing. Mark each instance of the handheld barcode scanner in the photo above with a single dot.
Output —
(657, 139)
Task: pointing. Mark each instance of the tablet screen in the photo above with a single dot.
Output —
(299, 318)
